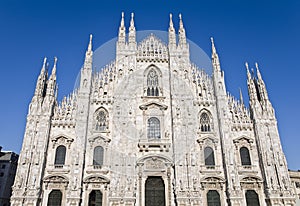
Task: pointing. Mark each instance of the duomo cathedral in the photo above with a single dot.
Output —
(152, 129)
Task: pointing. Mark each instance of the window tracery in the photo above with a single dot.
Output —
(152, 83)
(205, 122)
(101, 120)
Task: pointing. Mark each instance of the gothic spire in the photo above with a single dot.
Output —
(182, 36)
(251, 86)
(54, 67)
(261, 84)
(88, 55)
(172, 35)
(132, 33)
(214, 56)
(51, 86)
(248, 72)
(122, 30)
(41, 81)
(90, 44)
(43, 70)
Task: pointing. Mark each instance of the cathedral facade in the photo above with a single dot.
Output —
(151, 129)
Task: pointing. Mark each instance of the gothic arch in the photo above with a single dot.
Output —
(153, 81)
(205, 121)
(101, 120)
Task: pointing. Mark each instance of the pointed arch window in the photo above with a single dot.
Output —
(209, 156)
(205, 122)
(98, 156)
(153, 128)
(213, 198)
(152, 83)
(101, 119)
(252, 198)
(60, 155)
(54, 198)
(245, 156)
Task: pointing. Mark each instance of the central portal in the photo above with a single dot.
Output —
(155, 192)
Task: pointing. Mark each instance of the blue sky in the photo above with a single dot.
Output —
(266, 32)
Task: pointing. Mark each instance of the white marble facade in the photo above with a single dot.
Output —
(151, 126)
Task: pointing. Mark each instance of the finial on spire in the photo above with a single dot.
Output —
(247, 66)
(54, 66)
(171, 21)
(122, 19)
(180, 21)
(132, 20)
(241, 96)
(213, 45)
(90, 43)
(248, 72)
(44, 65)
(257, 71)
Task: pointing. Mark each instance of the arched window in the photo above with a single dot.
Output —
(152, 83)
(98, 156)
(252, 198)
(95, 198)
(60, 155)
(153, 128)
(54, 198)
(209, 156)
(245, 156)
(213, 198)
(101, 118)
(205, 125)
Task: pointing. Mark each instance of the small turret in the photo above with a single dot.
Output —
(51, 85)
(261, 86)
(122, 31)
(172, 35)
(41, 82)
(215, 57)
(181, 32)
(251, 86)
(132, 34)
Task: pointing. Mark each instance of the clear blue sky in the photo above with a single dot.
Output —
(264, 31)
